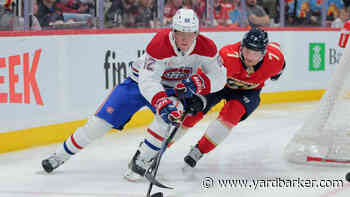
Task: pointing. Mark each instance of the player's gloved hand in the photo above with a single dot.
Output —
(187, 87)
(195, 104)
(276, 77)
(168, 111)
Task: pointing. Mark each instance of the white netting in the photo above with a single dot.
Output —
(325, 136)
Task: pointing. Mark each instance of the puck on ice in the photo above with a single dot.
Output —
(158, 194)
(347, 176)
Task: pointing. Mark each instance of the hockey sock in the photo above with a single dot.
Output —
(151, 145)
(214, 135)
(93, 129)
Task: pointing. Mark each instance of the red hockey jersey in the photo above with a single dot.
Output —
(238, 76)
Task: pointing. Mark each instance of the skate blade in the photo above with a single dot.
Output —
(188, 172)
(133, 177)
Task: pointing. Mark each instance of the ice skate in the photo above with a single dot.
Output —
(53, 162)
(137, 168)
(193, 157)
(191, 160)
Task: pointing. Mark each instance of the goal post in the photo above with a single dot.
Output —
(324, 137)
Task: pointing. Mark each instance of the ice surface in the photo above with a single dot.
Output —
(253, 151)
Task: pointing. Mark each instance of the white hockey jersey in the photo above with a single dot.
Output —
(164, 65)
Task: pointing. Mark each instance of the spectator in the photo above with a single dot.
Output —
(122, 13)
(49, 14)
(308, 12)
(75, 10)
(304, 15)
(33, 21)
(343, 17)
(199, 6)
(289, 12)
(9, 21)
(221, 13)
(256, 14)
(145, 14)
(169, 10)
(236, 17)
(72, 6)
(333, 10)
(7, 18)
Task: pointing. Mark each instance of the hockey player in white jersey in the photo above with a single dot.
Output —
(170, 65)
(173, 58)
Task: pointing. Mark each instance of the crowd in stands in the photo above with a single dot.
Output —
(61, 14)
(308, 12)
(48, 14)
(131, 14)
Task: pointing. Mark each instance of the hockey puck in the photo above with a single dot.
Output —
(347, 177)
(158, 194)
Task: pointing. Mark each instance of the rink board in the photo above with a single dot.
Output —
(51, 83)
(26, 138)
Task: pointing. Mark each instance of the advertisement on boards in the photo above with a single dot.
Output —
(47, 80)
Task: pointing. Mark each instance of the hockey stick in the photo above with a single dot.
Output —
(152, 171)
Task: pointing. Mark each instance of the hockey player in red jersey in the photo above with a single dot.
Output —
(172, 60)
(249, 64)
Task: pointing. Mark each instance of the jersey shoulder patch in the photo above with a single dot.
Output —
(274, 53)
(230, 51)
(274, 58)
(160, 47)
(205, 47)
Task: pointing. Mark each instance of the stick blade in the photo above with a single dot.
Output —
(154, 181)
(327, 160)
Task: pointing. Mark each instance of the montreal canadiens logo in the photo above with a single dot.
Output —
(176, 74)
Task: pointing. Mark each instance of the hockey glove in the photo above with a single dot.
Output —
(195, 104)
(187, 87)
(168, 111)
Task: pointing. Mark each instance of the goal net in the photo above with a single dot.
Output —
(324, 137)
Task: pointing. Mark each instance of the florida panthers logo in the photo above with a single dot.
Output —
(177, 74)
(239, 84)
